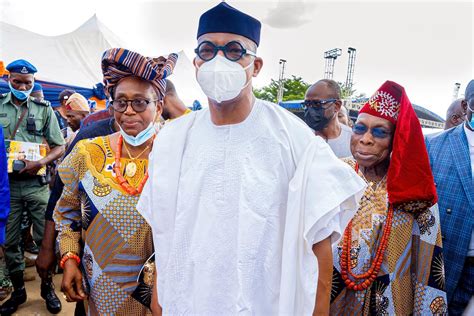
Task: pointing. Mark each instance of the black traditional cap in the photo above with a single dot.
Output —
(21, 66)
(226, 19)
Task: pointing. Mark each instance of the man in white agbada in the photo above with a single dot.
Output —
(243, 200)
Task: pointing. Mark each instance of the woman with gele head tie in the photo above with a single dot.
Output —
(103, 240)
(390, 261)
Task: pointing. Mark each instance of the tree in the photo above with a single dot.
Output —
(349, 93)
(293, 89)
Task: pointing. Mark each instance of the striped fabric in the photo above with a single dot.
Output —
(118, 63)
(450, 162)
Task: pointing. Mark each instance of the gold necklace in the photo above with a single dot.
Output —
(131, 168)
(374, 185)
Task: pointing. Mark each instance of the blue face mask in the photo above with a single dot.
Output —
(471, 122)
(20, 95)
(141, 138)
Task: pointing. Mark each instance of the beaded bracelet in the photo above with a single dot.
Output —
(67, 256)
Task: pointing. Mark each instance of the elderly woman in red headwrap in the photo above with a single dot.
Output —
(103, 240)
(390, 260)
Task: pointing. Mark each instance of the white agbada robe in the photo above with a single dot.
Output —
(236, 209)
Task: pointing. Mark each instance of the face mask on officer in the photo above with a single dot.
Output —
(20, 95)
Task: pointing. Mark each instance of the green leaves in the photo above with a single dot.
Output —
(293, 89)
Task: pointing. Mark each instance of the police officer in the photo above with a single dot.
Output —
(27, 119)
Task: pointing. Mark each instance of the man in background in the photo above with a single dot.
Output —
(173, 106)
(456, 114)
(37, 91)
(322, 106)
(59, 111)
(343, 116)
(96, 116)
(77, 108)
(452, 161)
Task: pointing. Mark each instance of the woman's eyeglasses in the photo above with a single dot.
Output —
(233, 51)
(138, 105)
(377, 132)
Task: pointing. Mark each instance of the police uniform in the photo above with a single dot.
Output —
(39, 125)
(27, 190)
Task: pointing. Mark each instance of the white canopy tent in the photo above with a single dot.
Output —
(74, 58)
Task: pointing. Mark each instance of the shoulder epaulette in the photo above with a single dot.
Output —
(40, 102)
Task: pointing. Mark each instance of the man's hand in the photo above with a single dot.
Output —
(47, 258)
(45, 262)
(71, 285)
(323, 252)
(32, 167)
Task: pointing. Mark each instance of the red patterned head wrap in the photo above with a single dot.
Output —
(409, 175)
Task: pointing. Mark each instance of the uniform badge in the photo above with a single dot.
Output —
(24, 70)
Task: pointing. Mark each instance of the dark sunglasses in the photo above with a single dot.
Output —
(317, 103)
(377, 132)
(233, 51)
(138, 105)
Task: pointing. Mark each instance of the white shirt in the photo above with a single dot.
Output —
(234, 215)
(341, 145)
(470, 141)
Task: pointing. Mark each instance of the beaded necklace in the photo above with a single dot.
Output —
(362, 281)
(121, 180)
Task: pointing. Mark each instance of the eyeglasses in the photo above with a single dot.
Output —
(377, 132)
(138, 105)
(317, 103)
(233, 51)
(457, 117)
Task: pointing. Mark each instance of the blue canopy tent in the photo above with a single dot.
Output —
(292, 105)
(52, 90)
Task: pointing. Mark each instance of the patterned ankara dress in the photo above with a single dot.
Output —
(411, 280)
(98, 219)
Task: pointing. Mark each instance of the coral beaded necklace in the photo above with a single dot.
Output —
(367, 278)
(121, 180)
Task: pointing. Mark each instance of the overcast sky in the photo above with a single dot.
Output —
(425, 46)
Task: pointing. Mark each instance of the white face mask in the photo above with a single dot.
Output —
(221, 79)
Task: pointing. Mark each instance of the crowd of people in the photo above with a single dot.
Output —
(239, 208)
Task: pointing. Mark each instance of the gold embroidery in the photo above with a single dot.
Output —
(100, 162)
(101, 189)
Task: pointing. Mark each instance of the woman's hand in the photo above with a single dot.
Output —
(71, 285)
